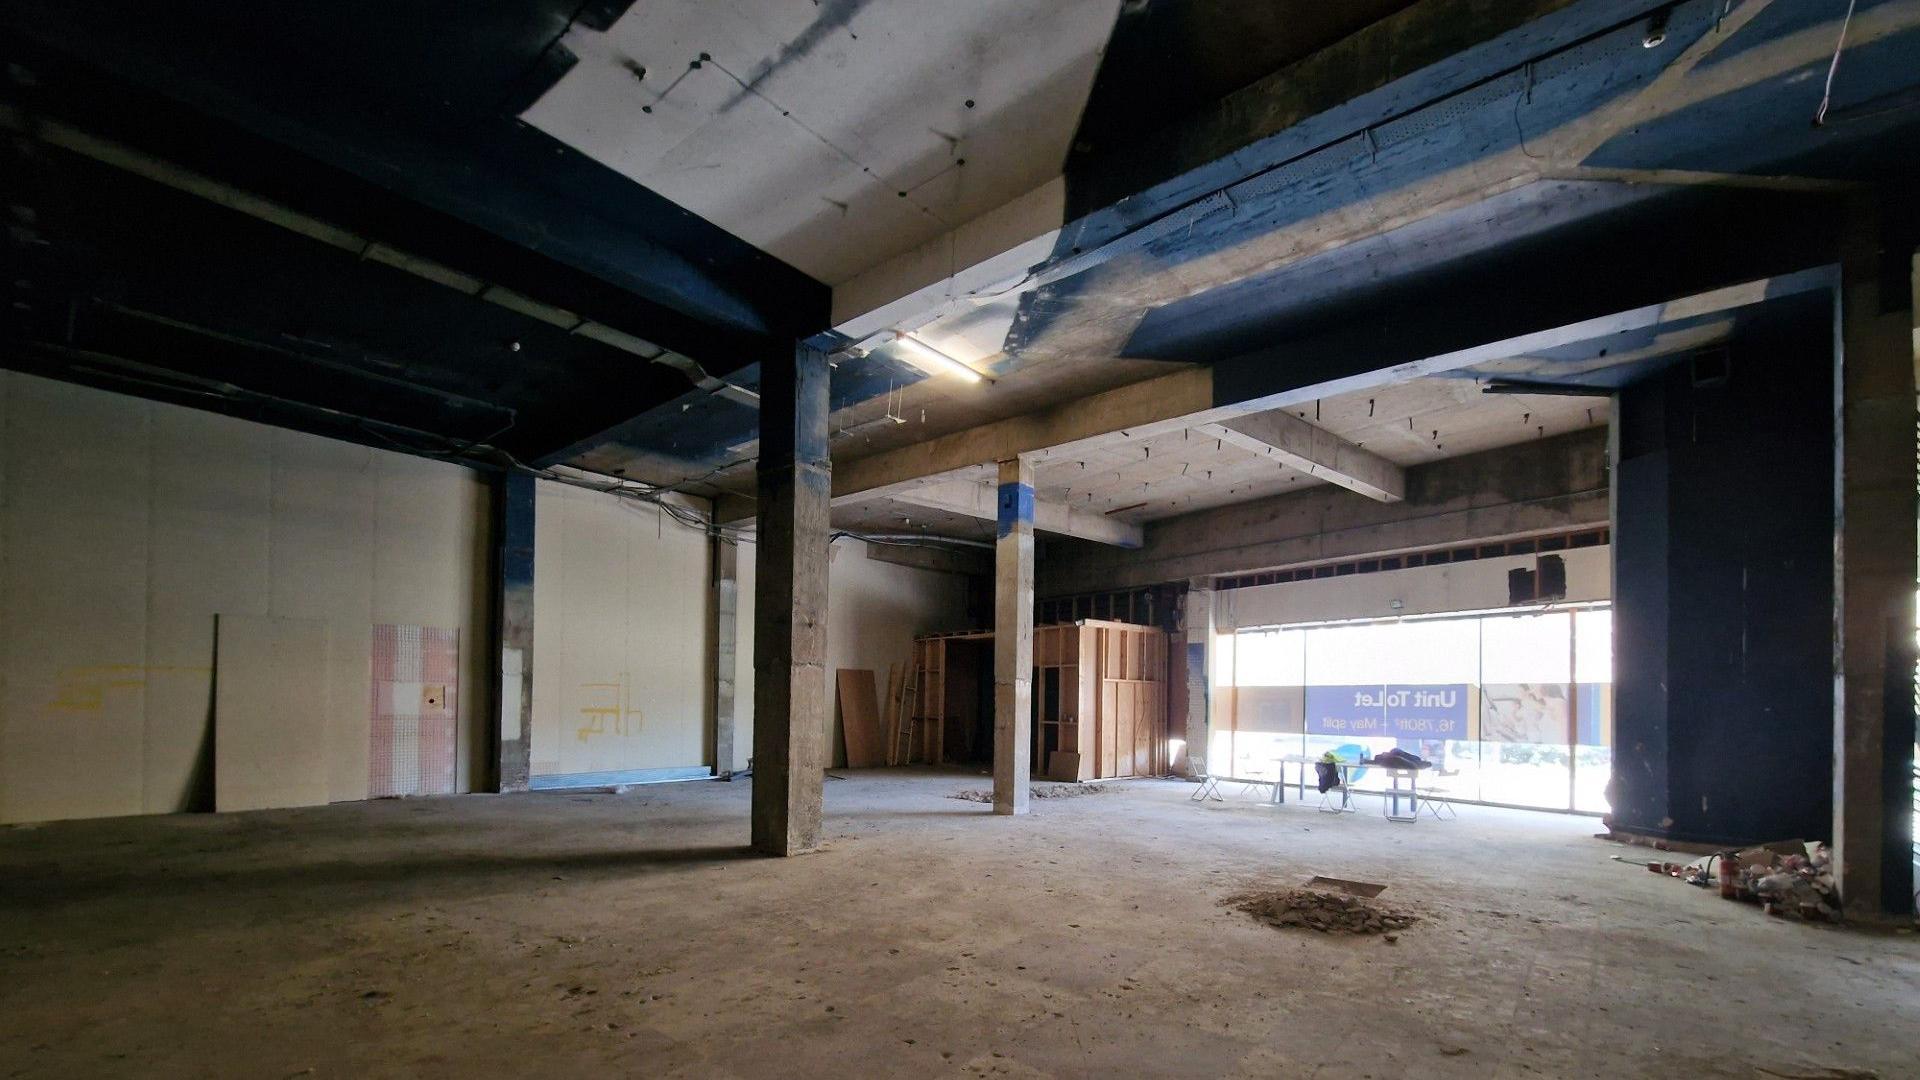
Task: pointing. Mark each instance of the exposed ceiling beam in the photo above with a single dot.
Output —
(1545, 485)
(981, 501)
(1315, 451)
(1154, 401)
(1217, 232)
(1547, 389)
(940, 560)
(1196, 396)
(1330, 95)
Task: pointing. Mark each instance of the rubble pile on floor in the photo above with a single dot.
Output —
(1050, 791)
(1329, 913)
(1787, 878)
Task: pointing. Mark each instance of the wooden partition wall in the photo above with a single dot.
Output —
(1099, 695)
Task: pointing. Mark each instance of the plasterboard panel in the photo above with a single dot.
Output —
(422, 512)
(622, 678)
(667, 638)
(208, 544)
(322, 568)
(212, 493)
(141, 520)
(270, 712)
(849, 106)
(73, 598)
(430, 561)
(178, 751)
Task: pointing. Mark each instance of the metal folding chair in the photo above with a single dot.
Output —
(1338, 799)
(1209, 783)
(1433, 799)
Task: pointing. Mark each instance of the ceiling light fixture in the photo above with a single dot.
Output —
(927, 358)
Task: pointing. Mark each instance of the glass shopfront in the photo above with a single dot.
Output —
(1512, 707)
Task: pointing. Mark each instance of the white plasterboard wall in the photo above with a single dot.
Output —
(126, 525)
(622, 672)
(874, 610)
(1477, 585)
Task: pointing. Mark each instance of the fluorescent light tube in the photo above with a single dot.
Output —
(936, 360)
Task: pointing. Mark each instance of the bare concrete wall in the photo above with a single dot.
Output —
(1541, 486)
(1421, 590)
(874, 610)
(126, 525)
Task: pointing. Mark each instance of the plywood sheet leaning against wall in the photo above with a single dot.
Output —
(860, 719)
(270, 712)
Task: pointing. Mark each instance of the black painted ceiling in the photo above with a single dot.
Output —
(394, 123)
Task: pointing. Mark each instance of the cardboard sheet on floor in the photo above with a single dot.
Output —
(860, 718)
(1351, 888)
(270, 712)
(1063, 765)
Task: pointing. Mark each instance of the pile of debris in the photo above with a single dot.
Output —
(1329, 913)
(1050, 791)
(1785, 878)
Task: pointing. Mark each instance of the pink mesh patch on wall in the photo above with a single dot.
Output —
(415, 682)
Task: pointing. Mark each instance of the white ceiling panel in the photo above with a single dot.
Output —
(808, 119)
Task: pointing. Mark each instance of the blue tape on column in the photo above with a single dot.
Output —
(1016, 506)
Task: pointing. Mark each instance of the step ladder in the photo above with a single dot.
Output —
(903, 722)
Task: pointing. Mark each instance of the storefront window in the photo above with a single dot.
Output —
(1511, 708)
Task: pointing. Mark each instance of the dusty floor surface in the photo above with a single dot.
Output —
(610, 935)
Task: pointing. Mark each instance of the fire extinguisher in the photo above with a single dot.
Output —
(1729, 868)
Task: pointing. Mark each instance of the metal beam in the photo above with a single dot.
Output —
(978, 501)
(1315, 451)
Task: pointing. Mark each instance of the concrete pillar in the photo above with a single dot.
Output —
(790, 604)
(726, 619)
(1013, 639)
(1874, 569)
(512, 646)
(1199, 641)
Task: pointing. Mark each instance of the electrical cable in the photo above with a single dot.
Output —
(1826, 97)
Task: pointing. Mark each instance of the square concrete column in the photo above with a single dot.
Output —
(1874, 568)
(512, 646)
(726, 620)
(1199, 641)
(790, 604)
(1013, 639)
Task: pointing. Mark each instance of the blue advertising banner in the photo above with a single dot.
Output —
(1404, 711)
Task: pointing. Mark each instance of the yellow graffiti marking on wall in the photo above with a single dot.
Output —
(85, 689)
(609, 710)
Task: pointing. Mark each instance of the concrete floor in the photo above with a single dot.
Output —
(625, 935)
